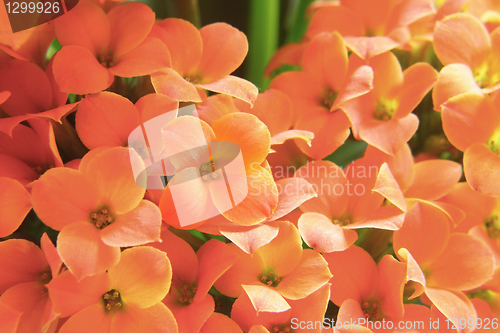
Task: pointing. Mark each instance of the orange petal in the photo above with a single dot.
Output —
(265, 299)
(389, 188)
(328, 181)
(148, 57)
(70, 296)
(139, 226)
(292, 134)
(89, 76)
(9, 318)
(63, 196)
(433, 179)
(461, 38)
(111, 115)
(392, 279)
(191, 318)
(248, 132)
(142, 276)
(130, 24)
(355, 275)
(369, 47)
(224, 48)
(418, 81)
(358, 82)
(86, 26)
(170, 83)
(311, 309)
(352, 318)
(233, 86)
(325, 58)
(15, 204)
(292, 193)
(217, 106)
(219, 323)
(82, 250)
(453, 80)
(385, 217)
(336, 18)
(111, 173)
(413, 273)
(479, 160)
(51, 255)
(21, 261)
(214, 258)
(155, 319)
(465, 264)
(32, 300)
(453, 304)
(92, 318)
(424, 233)
(250, 238)
(322, 235)
(311, 274)
(290, 54)
(183, 40)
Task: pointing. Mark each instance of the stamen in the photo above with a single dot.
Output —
(385, 109)
(371, 311)
(269, 278)
(101, 218)
(112, 300)
(187, 293)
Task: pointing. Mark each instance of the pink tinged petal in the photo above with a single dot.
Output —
(250, 238)
(233, 86)
(453, 80)
(139, 226)
(293, 192)
(191, 318)
(82, 250)
(170, 83)
(155, 319)
(110, 115)
(401, 130)
(479, 162)
(95, 318)
(453, 304)
(214, 258)
(70, 296)
(32, 300)
(387, 186)
(9, 318)
(461, 38)
(351, 313)
(465, 264)
(51, 255)
(433, 179)
(15, 204)
(369, 47)
(71, 193)
(92, 76)
(413, 272)
(479, 232)
(385, 217)
(280, 138)
(311, 274)
(322, 235)
(20, 261)
(149, 57)
(358, 82)
(265, 299)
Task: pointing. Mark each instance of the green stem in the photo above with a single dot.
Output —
(263, 39)
(296, 23)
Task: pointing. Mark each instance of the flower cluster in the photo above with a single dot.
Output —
(144, 188)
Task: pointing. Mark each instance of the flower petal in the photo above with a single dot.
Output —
(82, 250)
(9, 318)
(335, 18)
(219, 323)
(322, 235)
(91, 318)
(142, 276)
(479, 160)
(265, 299)
(233, 86)
(191, 318)
(250, 238)
(15, 204)
(170, 83)
(293, 192)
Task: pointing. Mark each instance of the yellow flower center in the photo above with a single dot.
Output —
(45, 277)
(342, 220)
(112, 300)
(270, 278)
(101, 218)
(385, 109)
(494, 143)
(485, 75)
(186, 294)
(371, 311)
(194, 79)
(207, 171)
(492, 225)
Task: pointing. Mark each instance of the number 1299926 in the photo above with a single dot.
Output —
(32, 7)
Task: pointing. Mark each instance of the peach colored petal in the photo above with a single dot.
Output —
(217, 106)
(93, 318)
(170, 83)
(479, 160)
(82, 250)
(250, 238)
(191, 318)
(15, 204)
(387, 186)
(336, 18)
(413, 272)
(233, 86)
(265, 299)
(155, 319)
(219, 323)
(392, 280)
(369, 47)
(293, 192)
(290, 54)
(349, 315)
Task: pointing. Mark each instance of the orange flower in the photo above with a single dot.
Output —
(218, 320)
(193, 276)
(98, 209)
(387, 108)
(348, 201)
(363, 289)
(125, 299)
(370, 28)
(201, 153)
(276, 271)
(303, 315)
(440, 263)
(25, 270)
(97, 46)
(469, 55)
(320, 90)
(471, 122)
(202, 60)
